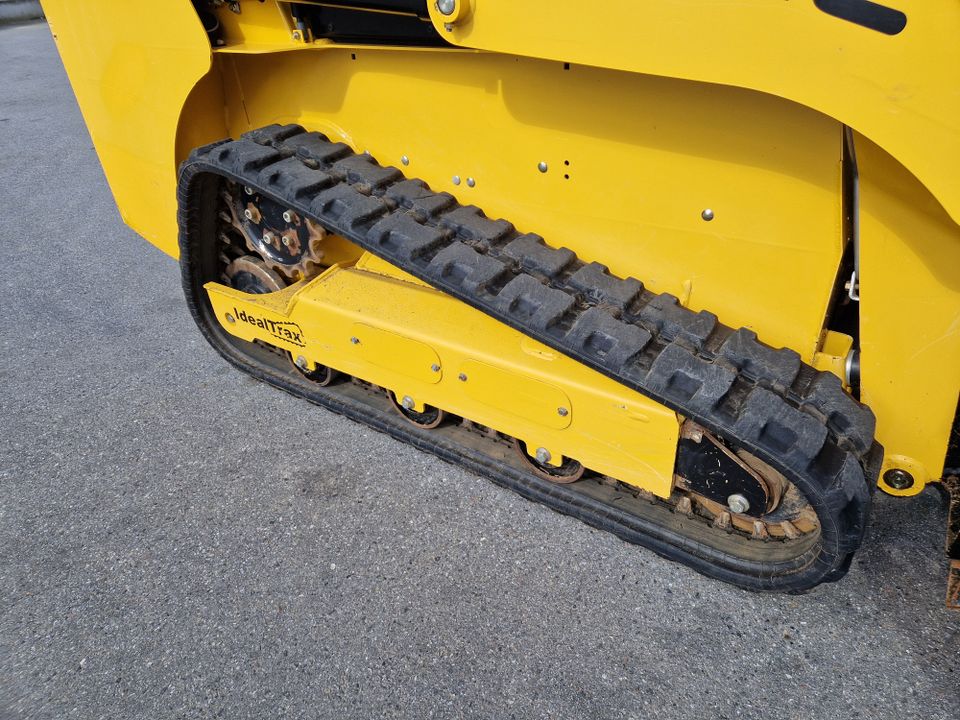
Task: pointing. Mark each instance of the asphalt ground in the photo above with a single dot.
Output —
(178, 541)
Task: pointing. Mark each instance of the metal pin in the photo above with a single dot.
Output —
(738, 503)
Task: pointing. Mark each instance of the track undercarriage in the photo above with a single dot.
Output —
(339, 280)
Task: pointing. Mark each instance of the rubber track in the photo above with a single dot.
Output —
(762, 399)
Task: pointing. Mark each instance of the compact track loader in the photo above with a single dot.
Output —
(686, 270)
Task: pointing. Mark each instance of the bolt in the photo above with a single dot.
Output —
(562, 411)
(248, 190)
(542, 166)
(230, 319)
(301, 362)
(543, 455)
(471, 182)
(407, 402)
(355, 340)
(435, 367)
(287, 241)
(462, 377)
(248, 214)
(456, 179)
(287, 216)
(446, 7)
(738, 503)
(405, 160)
(707, 214)
(296, 34)
(898, 479)
(268, 238)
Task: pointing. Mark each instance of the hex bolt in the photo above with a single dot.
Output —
(738, 503)
(435, 367)
(287, 216)
(248, 190)
(898, 479)
(301, 362)
(562, 411)
(296, 34)
(404, 160)
(407, 402)
(268, 238)
(248, 214)
(542, 166)
(456, 180)
(231, 319)
(543, 455)
(471, 182)
(707, 214)
(462, 377)
(355, 340)
(446, 7)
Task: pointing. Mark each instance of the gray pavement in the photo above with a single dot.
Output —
(178, 541)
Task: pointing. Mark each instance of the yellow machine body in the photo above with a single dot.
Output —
(696, 145)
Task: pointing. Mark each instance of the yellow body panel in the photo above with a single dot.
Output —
(487, 371)
(899, 90)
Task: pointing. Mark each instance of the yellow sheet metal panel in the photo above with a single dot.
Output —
(900, 90)
(609, 428)
(397, 352)
(909, 315)
(131, 65)
(632, 162)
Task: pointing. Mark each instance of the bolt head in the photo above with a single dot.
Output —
(405, 160)
(287, 216)
(542, 166)
(435, 367)
(268, 238)
(248, 214)
(407, 402)
(296, 34)
(287, 241)
(462, 377)
(707, 214)
(471, 182)
(301, 362)
(738, 503)
(456, 180)
(248, 190)
(562, 411)
(898, 479)
(446, 7)
(231, 319)
(543, 455)
(355, 340)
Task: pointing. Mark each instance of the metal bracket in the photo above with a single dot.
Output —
(952, 547)
(853, 284)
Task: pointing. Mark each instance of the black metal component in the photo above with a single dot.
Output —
(711, 470)
(952, 484)
(868, 14)
(898, 479)
(400, 22)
